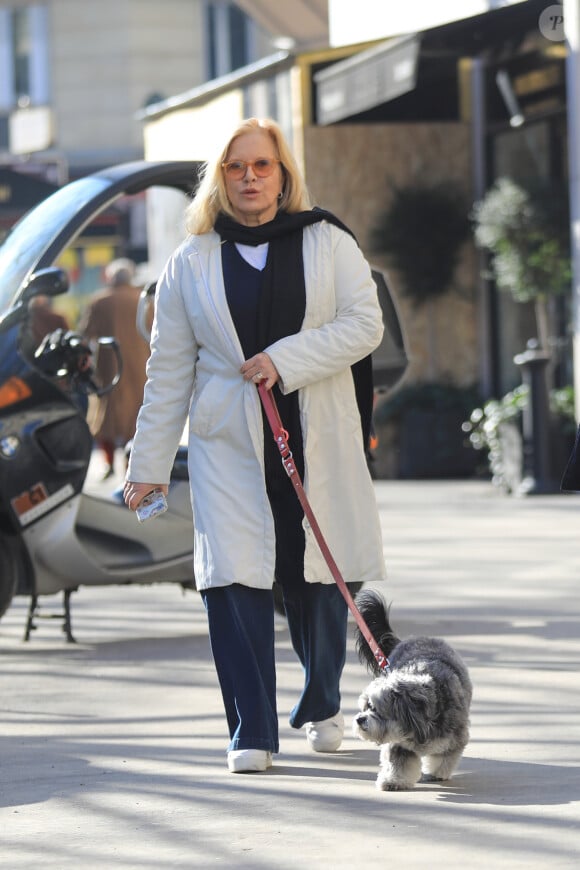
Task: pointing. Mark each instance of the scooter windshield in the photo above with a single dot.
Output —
(31, 236)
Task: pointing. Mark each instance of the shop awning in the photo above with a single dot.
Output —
(376, 76)
(371, 77)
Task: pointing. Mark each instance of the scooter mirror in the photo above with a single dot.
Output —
(45, 282)
(112, 366)
(145, 310)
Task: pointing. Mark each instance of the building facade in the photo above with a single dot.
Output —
(73, 76)
(500, 68)
(396, 95)
(422, 100)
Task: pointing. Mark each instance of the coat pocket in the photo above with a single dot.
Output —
(210, 408)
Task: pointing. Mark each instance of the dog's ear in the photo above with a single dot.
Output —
(411, 696)
(363, 700)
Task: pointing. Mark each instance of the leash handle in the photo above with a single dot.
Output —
(281, 438)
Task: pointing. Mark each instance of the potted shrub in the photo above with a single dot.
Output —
(428, 440)
(421, 233)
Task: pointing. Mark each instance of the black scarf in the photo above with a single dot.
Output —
(283, 298)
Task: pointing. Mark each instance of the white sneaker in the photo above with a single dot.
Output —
(249, 760)
(326, 736)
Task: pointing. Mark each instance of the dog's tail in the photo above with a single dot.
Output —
(375, 613)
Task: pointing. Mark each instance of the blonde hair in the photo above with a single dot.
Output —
(211, 197)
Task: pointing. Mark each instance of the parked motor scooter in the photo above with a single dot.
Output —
(54, 535)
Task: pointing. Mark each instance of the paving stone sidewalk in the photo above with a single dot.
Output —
(112, 750)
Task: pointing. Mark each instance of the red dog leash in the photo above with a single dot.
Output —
(281, 439)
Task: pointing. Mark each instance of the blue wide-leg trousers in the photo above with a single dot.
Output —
(241, 630)
(241, 625)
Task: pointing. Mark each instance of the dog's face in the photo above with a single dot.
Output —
(374, 722)
(396, 709)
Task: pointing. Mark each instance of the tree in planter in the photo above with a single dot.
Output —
(526, 230)
(527, 234)
(422, 232)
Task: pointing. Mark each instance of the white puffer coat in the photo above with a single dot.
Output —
(194, 369)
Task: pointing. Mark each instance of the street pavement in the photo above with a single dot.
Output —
(113, 748)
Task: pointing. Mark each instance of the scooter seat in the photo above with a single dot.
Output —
(180, 470)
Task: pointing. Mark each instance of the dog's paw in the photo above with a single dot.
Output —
(384, 784)
(393, 786)
(429, 777)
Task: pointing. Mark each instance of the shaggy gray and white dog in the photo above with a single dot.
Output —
(419, 712)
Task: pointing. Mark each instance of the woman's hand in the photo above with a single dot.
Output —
(260, 368)
(134, 493)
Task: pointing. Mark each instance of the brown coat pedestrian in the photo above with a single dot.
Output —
(113, 312)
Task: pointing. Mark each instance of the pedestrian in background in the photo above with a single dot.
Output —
(42, 320)
(20, 343)
(113, 311)
(265, 289)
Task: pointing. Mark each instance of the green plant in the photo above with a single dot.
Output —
(526, 232)
(422, 231)
(562, 406)
(488, 424)
(486, 427)
(562, 402)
